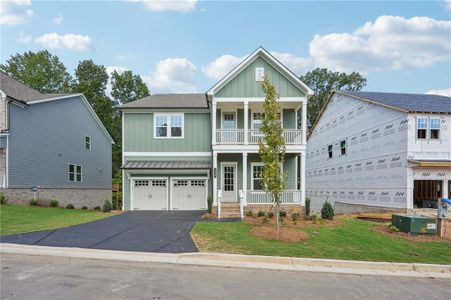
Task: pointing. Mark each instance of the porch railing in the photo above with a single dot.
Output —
(230, 136)
(254, 136)
(261, 197)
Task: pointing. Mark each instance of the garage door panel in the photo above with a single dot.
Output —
(150, 194)
(189, 194)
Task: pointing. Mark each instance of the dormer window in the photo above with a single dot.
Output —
(259, 74)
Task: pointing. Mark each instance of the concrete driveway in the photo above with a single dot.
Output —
(150, 231)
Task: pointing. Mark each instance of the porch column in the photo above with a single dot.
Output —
(304, 122)
(215, 178)
(244, 178)
(246, 122)
(445, 188)
(213, 125)
(302, 175)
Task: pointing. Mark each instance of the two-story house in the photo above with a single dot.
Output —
(371, 150)
(178, 149)
(52, 146)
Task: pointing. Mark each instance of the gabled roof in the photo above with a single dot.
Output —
(262, 52)
(412, 103)
(169, 101)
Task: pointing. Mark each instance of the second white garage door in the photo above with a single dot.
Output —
(189, 194)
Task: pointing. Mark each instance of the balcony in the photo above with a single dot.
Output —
(260, 197)
(254, 136)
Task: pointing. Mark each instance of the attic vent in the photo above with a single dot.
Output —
(259, 74)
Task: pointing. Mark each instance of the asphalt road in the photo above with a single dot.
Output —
(45, 277)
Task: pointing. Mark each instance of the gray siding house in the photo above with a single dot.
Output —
(52, 146)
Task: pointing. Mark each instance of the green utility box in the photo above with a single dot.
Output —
(414, 224)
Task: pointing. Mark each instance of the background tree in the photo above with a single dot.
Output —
(41, 71)
(127, 87)
(322, 82)
(272, 148)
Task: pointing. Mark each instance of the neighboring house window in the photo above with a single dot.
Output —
(259, 74)
(88, 142)
(74, 173)
(343, 147)
(330, 151)
(435, 128)
(169, 125)
(257, 184)
(422, 126)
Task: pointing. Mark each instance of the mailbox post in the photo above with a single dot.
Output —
(442, 214)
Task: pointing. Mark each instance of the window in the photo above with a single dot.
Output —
(259, 74)
(343, 147)
(74, 173)
(422, 126)
(88, 142)
(330, 151)
(168, 125)
(141, 182)
(161, 183)
(257, 184)
(257, 119)
(435, 128)
(178, 183)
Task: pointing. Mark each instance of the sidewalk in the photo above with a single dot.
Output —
(242, 261)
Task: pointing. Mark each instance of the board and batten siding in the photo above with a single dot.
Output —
(46, 137)
(139, 134)
(244, 84)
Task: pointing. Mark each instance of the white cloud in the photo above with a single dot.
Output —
(447, 4)
(75, 42)
(391, 42)
(172, 75)
(183, 6)
(58, 20)
(24, 38)
(296, 64)
(221, 66)
(445, 92)
(13, 12)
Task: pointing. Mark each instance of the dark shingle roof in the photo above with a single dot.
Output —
(160, 164)
(169, 101)
(410, 102)
(19, 91)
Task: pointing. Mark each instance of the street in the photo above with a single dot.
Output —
(45, 277)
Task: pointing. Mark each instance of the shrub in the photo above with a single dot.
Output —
(54, 203)
(393, 228)
(327, 211)
(3, 199)
(261, 213)
(209, 203)
(307, 207)
(106, 206)
(70, 206)
(282, 214)
(314, 217)
(34, 202)
(295, 217)
(97, 208)
(84, 207)
(270, 215)
(249, 213)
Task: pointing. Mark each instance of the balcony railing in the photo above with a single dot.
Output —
(237, 136)
(261, 197)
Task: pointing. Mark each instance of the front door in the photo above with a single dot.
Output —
(228, 182)
(229, 126)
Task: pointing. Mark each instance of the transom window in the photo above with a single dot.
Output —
(435, 128)
(88, 142)
(257, 184)
(422, 126)
(168, 125)
(74, 173)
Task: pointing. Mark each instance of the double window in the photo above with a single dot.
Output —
(434, 128)
(74, 173)
(168, 125)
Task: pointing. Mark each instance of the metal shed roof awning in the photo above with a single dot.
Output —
(164, 165)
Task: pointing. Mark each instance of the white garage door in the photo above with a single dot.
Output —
(189, 194)
(150, 194)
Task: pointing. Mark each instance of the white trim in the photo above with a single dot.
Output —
(168, 115)
(2, 94)
(189, 178)
(254, 148)
(257, 99)
(75, 173)
(166, 154)
(272, 61)
(235, 182)
(132, 187)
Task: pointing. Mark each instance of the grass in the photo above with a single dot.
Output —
(352, 240)
(19, 219)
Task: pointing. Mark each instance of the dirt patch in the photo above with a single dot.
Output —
(290, 224)
(415, 238)
(208, 216)
(286, 234)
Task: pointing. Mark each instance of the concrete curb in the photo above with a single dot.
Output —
(242, 261)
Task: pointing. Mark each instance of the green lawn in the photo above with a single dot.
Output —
(18, 218)
(353, 240)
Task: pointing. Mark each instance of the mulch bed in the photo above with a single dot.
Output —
(415, 238)
(286, 234)
(289, 223)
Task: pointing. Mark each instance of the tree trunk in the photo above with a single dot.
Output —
(277, 214)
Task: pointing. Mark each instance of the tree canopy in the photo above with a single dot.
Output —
(127, 87)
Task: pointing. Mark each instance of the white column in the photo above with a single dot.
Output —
(302, 175)
(304, 122)
(445, 188)
(246, 121)
(213, 125)
(410, 182)
(215, 178)
(244, 178)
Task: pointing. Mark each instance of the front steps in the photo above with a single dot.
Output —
(230, 210)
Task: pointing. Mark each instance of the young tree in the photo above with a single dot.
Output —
(41, 71)
(272, 148)
(322, 81)
(127, 87)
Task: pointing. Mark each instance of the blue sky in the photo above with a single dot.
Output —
(186, 46)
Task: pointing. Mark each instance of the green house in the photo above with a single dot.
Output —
(179, 149)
